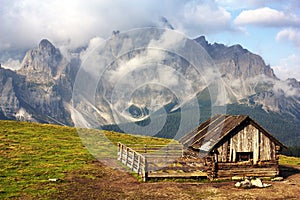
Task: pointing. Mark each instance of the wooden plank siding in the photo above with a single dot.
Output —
(256, 146)
(248, 139)
(267, 148)
(247, 170)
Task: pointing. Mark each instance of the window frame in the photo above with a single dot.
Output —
(244, 156)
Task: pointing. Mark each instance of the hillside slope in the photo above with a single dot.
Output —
(41, 161)
(31, 154)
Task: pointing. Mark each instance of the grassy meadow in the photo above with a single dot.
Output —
(33, 155)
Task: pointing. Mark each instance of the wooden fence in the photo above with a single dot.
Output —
(158, 161)
(168, 161)
(134, 160)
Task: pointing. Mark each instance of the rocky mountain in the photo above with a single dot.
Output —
(250, 81)
(41, 90)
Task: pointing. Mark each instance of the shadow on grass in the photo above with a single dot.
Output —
(285, 171)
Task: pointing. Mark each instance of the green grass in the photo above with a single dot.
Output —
(289, 160)
(31, 154)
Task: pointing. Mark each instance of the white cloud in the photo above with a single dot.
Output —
(206, 17)
(267, 17)
(233, 5)
(289, 34)
(289, 91)
(25, 22)
(94, 43)
(237, 5)
(288, 67)
(11, 64)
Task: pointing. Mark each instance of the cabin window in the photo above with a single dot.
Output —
(244, 156)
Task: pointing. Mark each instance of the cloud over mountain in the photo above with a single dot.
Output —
(267, 17)
(207, 16)
(75, 22)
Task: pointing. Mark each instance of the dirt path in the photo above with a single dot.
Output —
(102, 182)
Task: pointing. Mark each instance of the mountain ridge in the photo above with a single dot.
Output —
(42, 89)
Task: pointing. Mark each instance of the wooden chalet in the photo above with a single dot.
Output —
(233, 146)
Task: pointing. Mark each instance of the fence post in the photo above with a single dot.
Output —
(133, 160)
(139, 164)
(145, 175)
(120, 151)
(127, 156)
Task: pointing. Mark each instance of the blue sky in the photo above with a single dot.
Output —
(269, 28)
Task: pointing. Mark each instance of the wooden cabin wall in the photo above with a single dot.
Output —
(267, 148)
(223, 152)
(248, 139)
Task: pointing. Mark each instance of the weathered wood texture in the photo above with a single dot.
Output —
(177, 174)
(162, 165)
(247, 139)
(160, 162)
(241, 169)
(269, 169)
(132, 159)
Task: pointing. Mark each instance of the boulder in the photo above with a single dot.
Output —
(237, 185)
(251, 183)
(245, 184)
(256, 183)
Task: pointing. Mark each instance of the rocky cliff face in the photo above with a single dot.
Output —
(248, 80)
(42, 89)
(235, 61)
(241, 70)
(42, 64)
(9, 102)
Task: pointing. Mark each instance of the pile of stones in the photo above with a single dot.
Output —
(251, 183)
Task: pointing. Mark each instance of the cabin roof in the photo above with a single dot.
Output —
(208, 134)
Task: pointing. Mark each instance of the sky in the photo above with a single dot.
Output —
(270, 28)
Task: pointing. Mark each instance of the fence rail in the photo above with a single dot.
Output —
(158, 161)
(132, 159)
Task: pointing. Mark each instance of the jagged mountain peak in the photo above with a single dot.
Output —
(165, 23)
(236, 48)
(235, 61)
(43, 60)
(46, 45)
(203, 42)
(293, 82)
(47, 49)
